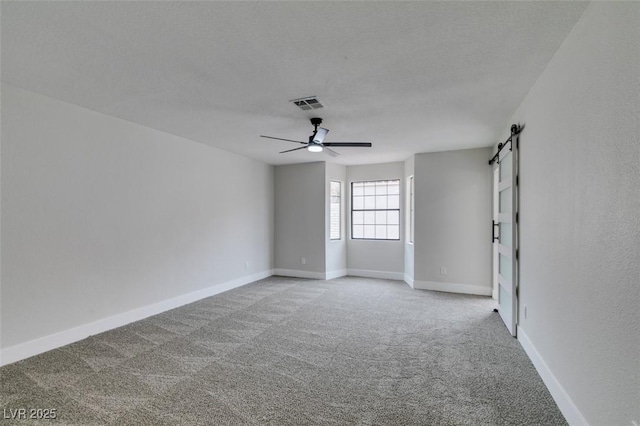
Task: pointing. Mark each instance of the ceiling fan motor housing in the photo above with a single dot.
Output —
(316, 121)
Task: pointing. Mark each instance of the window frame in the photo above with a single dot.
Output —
(340, 208)
(411, 206)
(399, 194)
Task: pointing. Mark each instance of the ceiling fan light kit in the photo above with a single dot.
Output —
(316, 141)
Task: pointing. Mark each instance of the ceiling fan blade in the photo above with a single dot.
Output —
(330, 151)
(294, 149)
(280, 139)
(362, 144)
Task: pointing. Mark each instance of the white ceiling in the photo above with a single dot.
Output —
(408, 76)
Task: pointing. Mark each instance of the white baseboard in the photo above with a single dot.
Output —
(571, 413)
(335, 274)
(408, 280)
(300, 274)
(452, 287)
(43, 344)
(376, 274)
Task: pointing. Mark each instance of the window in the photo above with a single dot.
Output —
(375, 210)
(410, 209)
(335, 210)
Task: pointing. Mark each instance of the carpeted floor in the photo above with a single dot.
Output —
(287, 351)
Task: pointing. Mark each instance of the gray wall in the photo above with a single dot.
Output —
(580, 215)
(453, 221)
(101, 216)
(366, 256)
(336, 250)
(300, 206)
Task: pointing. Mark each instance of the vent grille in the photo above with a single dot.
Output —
(307, 104)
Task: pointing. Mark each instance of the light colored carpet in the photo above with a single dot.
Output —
(287, 351)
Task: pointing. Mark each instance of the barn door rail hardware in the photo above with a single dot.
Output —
(515, 130)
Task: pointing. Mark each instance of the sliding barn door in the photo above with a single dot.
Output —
(506, 232)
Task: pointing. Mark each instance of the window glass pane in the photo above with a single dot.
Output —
(369, 231)
(381, 188)
(358, 218)
(358, 189)
(369, 188)
(381, 201)
(505, 267)
(393, 232)
(334, 189)
(381, 232)
(505, 302)
(394, 187)
(358, 203)
(369, 218)
(505, 167)
(370, 202)
(393, 217)
(358, 231)
(335, 211)
(505, 200)
(394, 202)
(505, 234)
(381, 217)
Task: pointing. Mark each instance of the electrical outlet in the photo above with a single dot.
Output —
(246, 265)
(524, 311)
(303, 260)
(443, 270)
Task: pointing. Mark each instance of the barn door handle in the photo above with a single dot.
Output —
(495, 236)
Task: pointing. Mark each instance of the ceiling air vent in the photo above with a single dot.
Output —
(306, 104)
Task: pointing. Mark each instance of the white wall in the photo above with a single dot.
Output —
(453, 221)
(336, 250)
(580, 218)
(101, 216)
(300, 208)
(383, 259)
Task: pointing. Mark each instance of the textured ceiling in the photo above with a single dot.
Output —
(408, 76)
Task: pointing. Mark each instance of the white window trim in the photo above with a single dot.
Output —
(411, 206)
(399, 210)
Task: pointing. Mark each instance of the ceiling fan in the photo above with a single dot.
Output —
(316, 141)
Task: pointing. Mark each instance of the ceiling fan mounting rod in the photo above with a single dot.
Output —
(316, 121)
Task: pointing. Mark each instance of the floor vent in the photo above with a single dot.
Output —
(306, 104)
